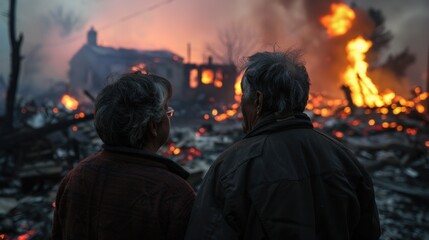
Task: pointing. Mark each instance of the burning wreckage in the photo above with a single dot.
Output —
(388, 133)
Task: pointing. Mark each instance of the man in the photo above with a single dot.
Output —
(127, 191)
(284, 179)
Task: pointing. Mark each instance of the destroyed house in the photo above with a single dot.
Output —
(91, 66)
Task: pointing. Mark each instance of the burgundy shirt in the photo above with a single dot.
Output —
(123, 193)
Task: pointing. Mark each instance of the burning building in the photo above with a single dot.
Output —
(92, 64)
(210, 82)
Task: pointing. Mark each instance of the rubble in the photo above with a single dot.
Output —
(392, 145)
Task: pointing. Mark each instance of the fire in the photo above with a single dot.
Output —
(69, 102)
(364, 92)
(139, 67)
(27, 235)
(193, 78)
(237, 87)
(218, 81)
(339, 21)
(207, 76)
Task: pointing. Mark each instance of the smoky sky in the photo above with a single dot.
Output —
(54, 30)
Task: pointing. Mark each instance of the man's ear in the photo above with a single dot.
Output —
(153, 128)
(259, 101)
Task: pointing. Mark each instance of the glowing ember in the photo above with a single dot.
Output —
(207, 76)
(27, 235)
(218, 84)
(193, 78)
(339, 21)
(339, 134)
(69, 102)
(214, 112)
(139, 67)
(364, 92)
(420, 108)
(206, 116)
(176, 151)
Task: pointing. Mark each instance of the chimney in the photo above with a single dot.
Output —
(92, 37)
(189, 52)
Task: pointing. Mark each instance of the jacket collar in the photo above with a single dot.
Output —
(276, 122)
(144, 155)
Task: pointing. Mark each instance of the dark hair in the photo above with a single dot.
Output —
(124, 108)
(282, 79)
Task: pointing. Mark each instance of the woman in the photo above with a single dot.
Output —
(127, 191)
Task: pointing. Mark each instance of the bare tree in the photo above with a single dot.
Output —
(234, 42)
(15, 64)
(67, 20)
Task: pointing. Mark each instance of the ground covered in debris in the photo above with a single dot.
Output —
(393, 148)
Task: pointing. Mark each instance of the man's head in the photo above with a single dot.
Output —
(132, 111)
(273, 82)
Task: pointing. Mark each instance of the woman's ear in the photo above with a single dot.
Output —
(153, 129)
(259, 100)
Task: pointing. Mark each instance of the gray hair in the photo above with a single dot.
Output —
(282, 79)
(124, 108)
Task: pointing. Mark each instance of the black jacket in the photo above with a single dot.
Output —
(285, 180)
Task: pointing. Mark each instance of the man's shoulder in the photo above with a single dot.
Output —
(239, 153)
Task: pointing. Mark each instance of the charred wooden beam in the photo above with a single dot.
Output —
(349, 98)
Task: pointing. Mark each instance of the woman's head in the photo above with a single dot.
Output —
(132, 111)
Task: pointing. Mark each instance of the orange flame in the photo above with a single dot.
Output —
(219, 78)
(69, 102)
(139, 67)
(207, 76)
(237, 87)
(193, 78)
(364, 92)
(339, 21)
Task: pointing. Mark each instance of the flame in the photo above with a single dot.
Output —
(69, 102)
(193, 78)
(339, 21)
(364, 92)
(237, 87)
(207, 76)
(219, 78)
(139, 67)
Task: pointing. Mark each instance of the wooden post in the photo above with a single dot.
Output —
(348, 93)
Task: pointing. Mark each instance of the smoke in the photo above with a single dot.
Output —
(296, 23)
(57, 29)
(46, 24)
